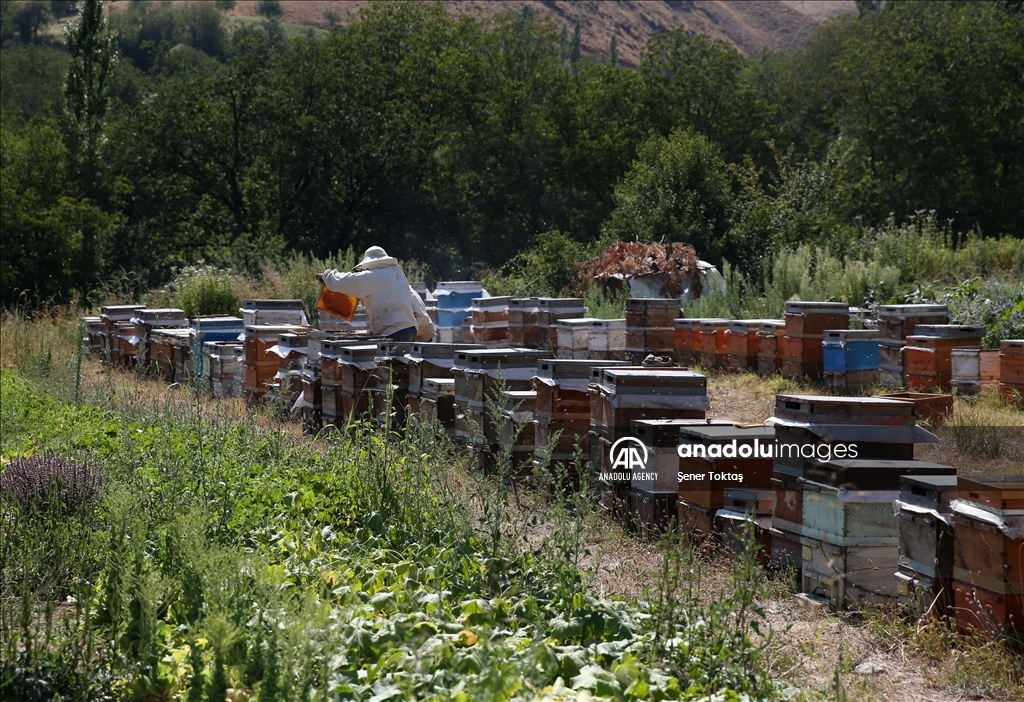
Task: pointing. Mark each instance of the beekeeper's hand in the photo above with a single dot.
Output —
(321, 276)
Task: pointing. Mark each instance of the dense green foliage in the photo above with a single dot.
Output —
(456, 141)
(229, 554)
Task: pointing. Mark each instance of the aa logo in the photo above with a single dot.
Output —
(628, 453)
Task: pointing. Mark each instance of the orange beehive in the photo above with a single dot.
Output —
(714, 346)
(685, 339)
(1011, 369)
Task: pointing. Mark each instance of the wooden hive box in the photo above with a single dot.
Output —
(770, 345)
(735, 526)
(988, 554)
(661, 437)
(711, 459)
(741, 337)
(897, 322)
(811, 319)
(651, 313)
(625, 394)
(563, 387)
(273, 312)
(651, 512)
(928, 355)
(972, 369)
(714, 345)
(330, 357)
(574, 337)
(1011, 370)
(489, 321)
(933, 408)
(848, 576)
(550, 310)
(890, 362)
(684, 339)
(516, 430)
(925, 565)
(432, 360)
(695, 521)
(871, 473)
(437, 397)
(850, 349)
(607, 339)
(522, 322)
(824, 409)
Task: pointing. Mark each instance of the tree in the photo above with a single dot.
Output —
(271, 9)
(224, 5)
(677, 190)
(613, 51)
(332, 18)
(93, 53)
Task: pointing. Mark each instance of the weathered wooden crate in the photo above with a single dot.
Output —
(850, 380)
(736, 526)
(928, 359)
(891, 362)
(563, 386)
(991, 613)
(897, 322)
(695, 521)
(273, 312)
(985, 552)
(661, 437)
(770, 345)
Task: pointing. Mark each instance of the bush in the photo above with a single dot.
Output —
(206, 291)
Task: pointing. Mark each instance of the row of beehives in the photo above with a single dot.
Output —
(569, 413)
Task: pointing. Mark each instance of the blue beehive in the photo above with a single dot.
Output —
(850, 349)
(213, 329)
(457, 295)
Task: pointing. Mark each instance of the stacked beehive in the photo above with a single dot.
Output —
(212, 329)
(806, 323)
(988, 554)
(166, 345)
(222, 361)
(973, 369)
(709, 460)
(522, 322)
(685, 339)
(895, 324)
(516, 432)
(652, 491)
(479, 376)
(437, 402)
(550, 311)
(263, 321)
(455, 306)
(741, 337)
(431, 361)
(771, 342)
(148, 351)
(607, 340)
(620, 395)
(925, 568)
(332, 406)
(650, 327)
(291, 351)
(745, 510)
(392, 371)
(573, 338)
(489, 322)
(93, 333)
(261, 363)
(850, 358)
(1011, 370)
(808, 428)
(849, 535)
(927, 354)
(563, 410)
(712, 343)
(111, 315)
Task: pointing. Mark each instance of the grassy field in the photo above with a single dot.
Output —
(214, 553)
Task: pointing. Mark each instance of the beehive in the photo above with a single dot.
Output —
(741, 337)
(927, 354)
(522, 322)
(770, 345)
(806, 323)
(1011, 369)
(925, 567)
(714, 345)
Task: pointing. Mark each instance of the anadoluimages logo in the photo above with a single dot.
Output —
(628, 454)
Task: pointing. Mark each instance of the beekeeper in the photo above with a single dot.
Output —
(394, 309)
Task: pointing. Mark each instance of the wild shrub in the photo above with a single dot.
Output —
(205, 291)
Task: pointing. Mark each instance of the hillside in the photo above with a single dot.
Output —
(750, 26)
